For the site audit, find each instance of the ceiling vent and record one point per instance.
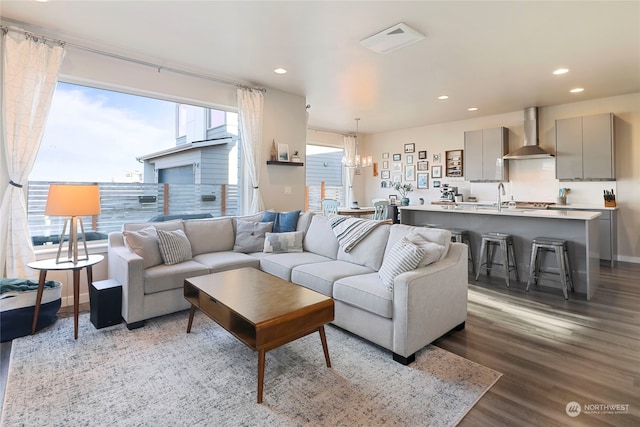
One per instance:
(393, 38)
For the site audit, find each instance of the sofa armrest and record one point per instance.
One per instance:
(127, 268)
(430, 301)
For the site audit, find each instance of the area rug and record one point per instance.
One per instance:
(159, 375)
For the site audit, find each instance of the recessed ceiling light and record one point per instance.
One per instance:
(280, 71)
(443, 97)
(560, 71)
(472, 109)
(577, 90)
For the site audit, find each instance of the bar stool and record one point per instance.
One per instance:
(462, 236)
(509, 263)
(546, 244)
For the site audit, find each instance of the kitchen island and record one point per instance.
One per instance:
(578, 228)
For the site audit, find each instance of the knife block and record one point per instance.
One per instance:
(610, 202)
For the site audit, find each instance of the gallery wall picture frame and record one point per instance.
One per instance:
(436, 184)
(385, 164)
(396, 178)
(396, 167)
(409, 159)
(385, 175)
(397, 157)
(393, 199)
(423, 165)
(410, 173)
(436, 171)
(283, 152)
(385, 155)
(422, 154)
(436, 158)
(422, 181)
(410, 148)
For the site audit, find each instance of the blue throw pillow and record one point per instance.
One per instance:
(283, 222)
(286, 222)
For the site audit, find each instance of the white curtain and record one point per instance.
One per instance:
(250, 106)
(349, 161)
(29, 76)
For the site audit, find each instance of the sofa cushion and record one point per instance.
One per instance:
(320, 238)
(280, 265)
(257, 217)
(250, 235)
(165, 277)
(283, 242)
(435, 235)
(144, 243)
(403, 256)
(210, 235)
(304, 221)
(365, 291)
(320, 276)
(370, 250)
(226, 260)
(174, 246)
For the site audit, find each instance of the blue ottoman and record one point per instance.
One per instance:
(17, 305)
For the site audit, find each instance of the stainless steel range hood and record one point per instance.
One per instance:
(530, 149)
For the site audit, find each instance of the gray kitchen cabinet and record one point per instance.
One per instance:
(585, 148)
(484, 149)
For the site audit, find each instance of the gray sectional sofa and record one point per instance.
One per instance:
(400, 312)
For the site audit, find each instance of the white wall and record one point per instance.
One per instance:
(531, 180)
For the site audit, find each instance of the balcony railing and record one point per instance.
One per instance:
(131, 202)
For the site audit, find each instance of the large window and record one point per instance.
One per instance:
(324, 175)
(118, 140)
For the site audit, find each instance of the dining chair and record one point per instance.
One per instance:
(381, 209)
(330, 207)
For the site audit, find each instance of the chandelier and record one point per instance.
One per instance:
(352, 157)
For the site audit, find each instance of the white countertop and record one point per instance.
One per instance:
(527, 213)
(583, 207)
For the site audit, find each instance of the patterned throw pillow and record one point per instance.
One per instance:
(174, 246)
(403, 256)
(250, 236)
(283, 242)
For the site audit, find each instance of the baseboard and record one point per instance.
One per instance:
(632, 259)
(68, 301)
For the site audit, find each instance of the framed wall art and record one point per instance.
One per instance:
(436, 184)
(409, 148)
(385, 175)
(436, 171)
(397, 157)
(410, 173)
(423, 181)
(385, 164)
(393, 199)
(409, 159)
(283, 152)
(396, 167)
(423, 165)
(385, 155)
(396, 177)
(436, 158)
(422, 155)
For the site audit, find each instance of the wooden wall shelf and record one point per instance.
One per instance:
(276, 162)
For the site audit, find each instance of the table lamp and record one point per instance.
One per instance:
(73, 201)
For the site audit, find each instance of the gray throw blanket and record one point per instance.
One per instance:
(21, 285)
(350, 231)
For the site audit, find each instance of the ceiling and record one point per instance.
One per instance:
(496, 56)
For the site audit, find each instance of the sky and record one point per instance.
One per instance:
(94, 135)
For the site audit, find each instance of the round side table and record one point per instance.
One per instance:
(50, 264)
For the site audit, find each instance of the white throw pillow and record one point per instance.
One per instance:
(145, 244)
(403, 256)
(174, 246)
(432, 251)
(283, 242)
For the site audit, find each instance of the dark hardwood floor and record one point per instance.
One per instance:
(550, 351)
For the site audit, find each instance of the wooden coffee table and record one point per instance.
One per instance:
(261, 310)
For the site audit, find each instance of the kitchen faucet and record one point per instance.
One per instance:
(500, 187)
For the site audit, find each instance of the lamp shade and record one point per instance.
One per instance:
(73, 200)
